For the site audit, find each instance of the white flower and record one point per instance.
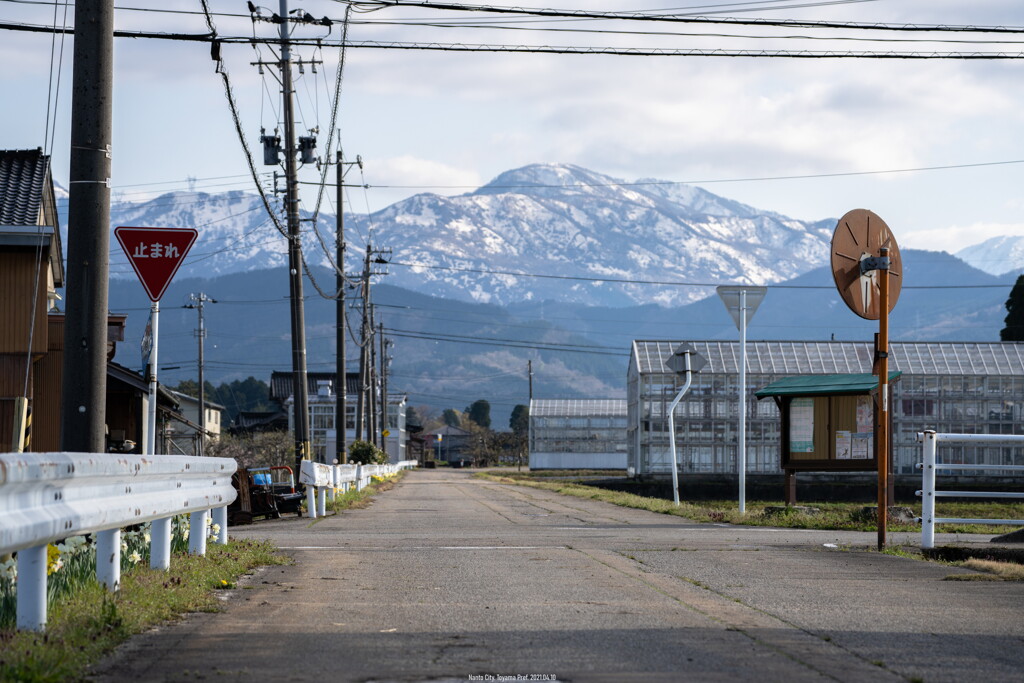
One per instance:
(215, 531)
(146, 537)
(135, 558)
(209, 520)
(124, 546)
(9, 569)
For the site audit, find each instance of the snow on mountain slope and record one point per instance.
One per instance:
(565, 221)
(996, 256)
(572, 225)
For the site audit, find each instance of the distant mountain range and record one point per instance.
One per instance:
(464, 324)
(997, 256)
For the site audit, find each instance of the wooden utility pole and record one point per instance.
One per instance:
(84, 380)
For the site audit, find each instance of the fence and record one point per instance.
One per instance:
(47, 497)
(929, 493)
(331, 478)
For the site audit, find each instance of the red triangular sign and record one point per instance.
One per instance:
(155, 254)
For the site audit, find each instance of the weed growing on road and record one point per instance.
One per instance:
(828, 516)
(88, 623)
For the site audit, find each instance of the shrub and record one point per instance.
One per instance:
(365, 453)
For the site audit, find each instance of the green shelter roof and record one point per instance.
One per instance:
(823, 385)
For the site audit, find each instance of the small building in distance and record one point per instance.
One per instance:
(323, 402)
(454, 447)
(952, 387)
(578, 434)
(183, 433)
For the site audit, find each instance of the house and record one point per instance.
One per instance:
(323, 407)
(32, 330)
(451, 445)
(182, 433)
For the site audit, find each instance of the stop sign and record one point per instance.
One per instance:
(155, 254)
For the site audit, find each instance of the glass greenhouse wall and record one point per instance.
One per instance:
(578, 434)
(946, 386)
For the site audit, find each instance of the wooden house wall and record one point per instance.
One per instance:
(19, 269)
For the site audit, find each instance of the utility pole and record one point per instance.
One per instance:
(271, 153)
(374, 412)
(341, 391)
(383, 388)
(84, 380)
(196, 301)
(361, 403)
(529, 372)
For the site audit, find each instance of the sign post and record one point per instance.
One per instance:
(155, 255)
(742, 303)
(868, 272)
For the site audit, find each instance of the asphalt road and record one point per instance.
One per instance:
(449, 578)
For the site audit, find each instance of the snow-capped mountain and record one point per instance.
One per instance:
(563, 221)
(996, 256)
(573, 226)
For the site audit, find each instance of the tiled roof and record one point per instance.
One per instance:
(281, 383)
(23, 177)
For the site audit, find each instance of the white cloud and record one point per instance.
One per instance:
(957, 237)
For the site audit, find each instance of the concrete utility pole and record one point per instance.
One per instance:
(341, 390)
(383, 387)
(374, 411)
(361, 432)
(300, 388)
(196, 301)
(84, 381)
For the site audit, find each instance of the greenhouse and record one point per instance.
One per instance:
(949, 387)
(578, 434)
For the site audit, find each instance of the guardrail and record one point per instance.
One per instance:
(47, 497)
(929, 493)
(332, 478)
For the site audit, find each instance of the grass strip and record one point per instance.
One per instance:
(827, 515)
(90, 623)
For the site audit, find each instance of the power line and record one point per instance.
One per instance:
(688, 19)
(662, 283)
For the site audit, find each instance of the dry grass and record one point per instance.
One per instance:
(991, 571)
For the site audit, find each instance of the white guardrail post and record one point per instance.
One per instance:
(49, 497)
(317, 476)
(928, 491)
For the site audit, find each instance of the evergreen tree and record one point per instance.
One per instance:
(1014, 330)
(519, 422)
(452, 417)
(480, 413)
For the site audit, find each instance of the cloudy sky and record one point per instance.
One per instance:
(426, 121)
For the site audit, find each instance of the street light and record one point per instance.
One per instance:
(684, 361)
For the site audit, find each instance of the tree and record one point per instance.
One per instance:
(452, 418)
(412, 417)
(519, 422)
(264, 449)
(365, 453)
(480, 413)
(1014, 330)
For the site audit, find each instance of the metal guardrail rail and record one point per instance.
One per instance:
(328, 479)
(928, 493)
(48, 497)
